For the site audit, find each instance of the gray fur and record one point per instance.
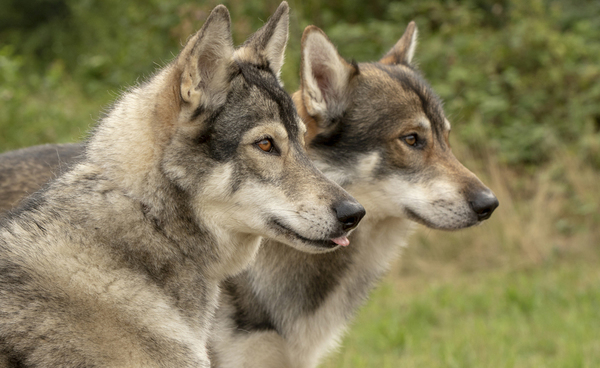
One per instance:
(289, 308)
(24, 171)
(116, 263)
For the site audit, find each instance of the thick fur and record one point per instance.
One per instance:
(288, 309)
(117, 262)
(24, 171)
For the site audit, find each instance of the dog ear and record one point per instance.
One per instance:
(325, 77)
(268, 43)
(205, 62)
(404, 50)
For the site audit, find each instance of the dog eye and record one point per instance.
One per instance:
(410, 139)
(265, 145)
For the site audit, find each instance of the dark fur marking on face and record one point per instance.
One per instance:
(223, 128)
(221, 150)
(430, 102)
(208, 131)
(267, 82)
(345, 140)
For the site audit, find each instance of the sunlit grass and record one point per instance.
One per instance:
(532, 317)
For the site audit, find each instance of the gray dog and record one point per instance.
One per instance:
(378, 130)
(117, 262)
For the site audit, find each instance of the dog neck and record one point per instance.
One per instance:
(120, 151)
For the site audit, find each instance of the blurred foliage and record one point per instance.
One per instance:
(523, 77)
(519, 78)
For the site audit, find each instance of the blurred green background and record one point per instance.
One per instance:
(521, 85)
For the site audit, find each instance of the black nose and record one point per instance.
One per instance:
(484, 203)
(349, 214)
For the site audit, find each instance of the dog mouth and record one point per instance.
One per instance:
(413, 216)
(330, 243)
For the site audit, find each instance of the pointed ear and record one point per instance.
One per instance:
(205, 62)
(325, 76)
(268, 43)
(404, 50)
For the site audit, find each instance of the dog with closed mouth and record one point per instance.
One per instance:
(117, 262)
(380, 131)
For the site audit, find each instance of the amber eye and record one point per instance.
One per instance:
(265, 145)
(411, 139)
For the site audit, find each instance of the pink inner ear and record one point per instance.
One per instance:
(322, 74)
(323, 82)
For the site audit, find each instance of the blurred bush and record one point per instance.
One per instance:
(521, 79)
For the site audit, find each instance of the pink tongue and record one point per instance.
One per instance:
(342, 240)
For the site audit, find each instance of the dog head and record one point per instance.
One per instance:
(380, 131)
(235, 142)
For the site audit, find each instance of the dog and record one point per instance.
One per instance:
(116, 263)
(379, 130)
(25, 171)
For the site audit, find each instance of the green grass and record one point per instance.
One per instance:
(545, 316)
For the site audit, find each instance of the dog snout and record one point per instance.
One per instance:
(349, 214)
(483, 204)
